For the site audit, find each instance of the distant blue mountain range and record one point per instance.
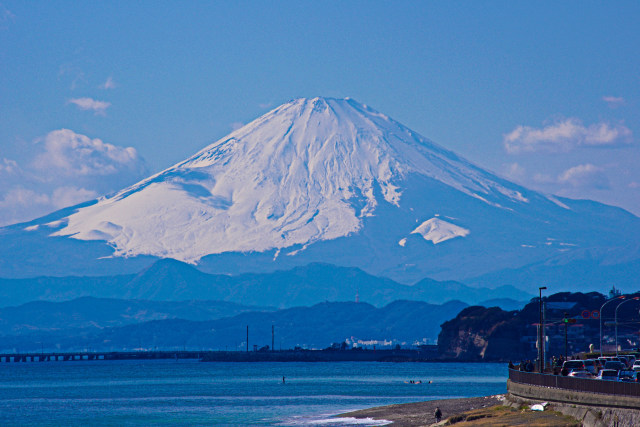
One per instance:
(100, 324)
(171, 280)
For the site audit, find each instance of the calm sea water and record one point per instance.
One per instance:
(195, 393)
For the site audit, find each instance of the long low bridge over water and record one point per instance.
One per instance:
(97, 355)
(426, 353)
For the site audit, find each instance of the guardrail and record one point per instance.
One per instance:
(576, 384)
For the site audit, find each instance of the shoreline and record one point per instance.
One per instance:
(422, 413)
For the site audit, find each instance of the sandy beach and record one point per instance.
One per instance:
(422, 413)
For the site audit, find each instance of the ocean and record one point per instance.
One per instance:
(125, 393)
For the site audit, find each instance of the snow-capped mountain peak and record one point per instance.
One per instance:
(309, 170)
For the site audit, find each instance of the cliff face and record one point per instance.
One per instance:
(468, 336)
(480, 333)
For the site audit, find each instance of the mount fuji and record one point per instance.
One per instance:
(331, 181)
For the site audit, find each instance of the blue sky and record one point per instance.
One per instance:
(96, 95)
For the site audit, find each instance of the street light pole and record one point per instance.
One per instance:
(616, 318)
(605, 303)
(566, 321)
(540, 335)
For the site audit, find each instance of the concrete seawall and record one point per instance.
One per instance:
(572, 397)
(592, 409)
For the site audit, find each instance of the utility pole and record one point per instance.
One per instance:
(566, 322)
(544, 337)
(247, 338)
(272, 340)
(540, 333)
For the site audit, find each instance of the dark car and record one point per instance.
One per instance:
(624, 360)
(618, 366)
(592, 366)
(572, 365)
(628, 376)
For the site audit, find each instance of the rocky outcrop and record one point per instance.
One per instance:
(468, 336)
(479, 333)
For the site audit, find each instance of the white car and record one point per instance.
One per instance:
(608, 375)
(636, 366)
(580, 374)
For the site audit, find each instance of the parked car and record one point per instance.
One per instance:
(572, 365)
(627, 376)
(636, 366)
(580, 374)
(608, 375)
(624, 360)
(618, 366)
(592, 366)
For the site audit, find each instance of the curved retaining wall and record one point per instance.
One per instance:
(550, 394)
(580, 391)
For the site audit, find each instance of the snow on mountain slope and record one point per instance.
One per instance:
(310, 170)
(437, 230)
(334, 182)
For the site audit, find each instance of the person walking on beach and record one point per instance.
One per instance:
(438, 414)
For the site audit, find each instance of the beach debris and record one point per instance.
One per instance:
(539, 406)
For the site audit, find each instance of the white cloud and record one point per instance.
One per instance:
(265, 105)
(86, 104)
(67, 168)
(21, 204)
(6, 16)
(565, 136)
(542, 178)
(613, 101)
(236, 125)
(585, 176)
(69, 196)
(634, 184)
(515, 172)
(9, 166)
(73, 154)
(69, 69)
(108, 84)
(23, 197)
